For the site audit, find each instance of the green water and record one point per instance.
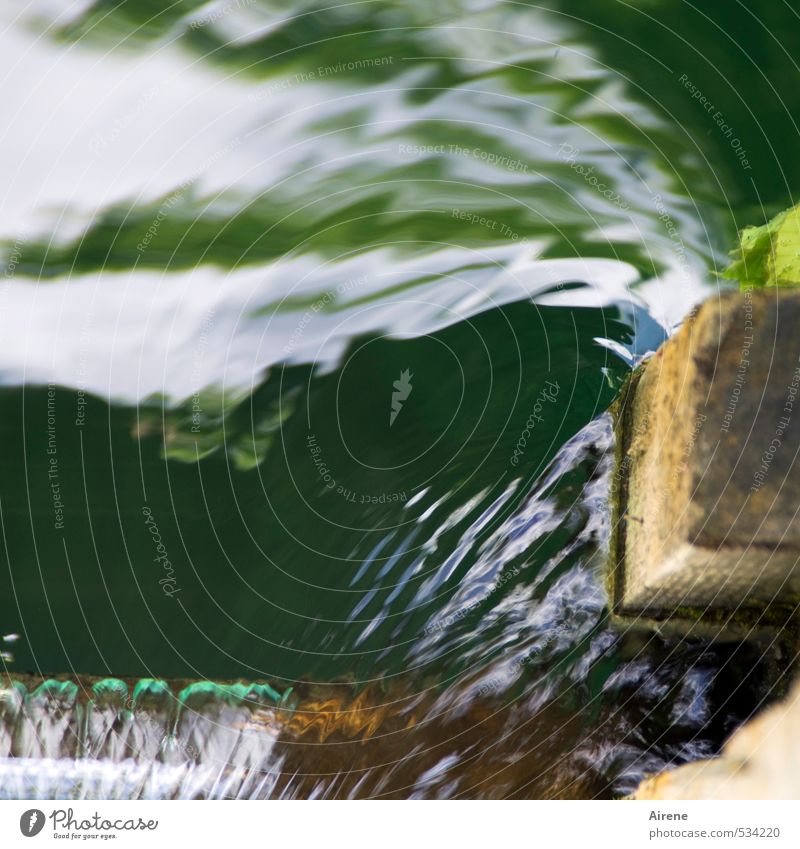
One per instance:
(228, 232)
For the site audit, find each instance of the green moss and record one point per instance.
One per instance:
(751, 617)
(65, 692)
(149, 694)
(200, 693)
(768, 255)
(264, 693)
(109, 692)
(622, 415)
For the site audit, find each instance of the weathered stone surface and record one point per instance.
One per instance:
(758, 762)
(706, 490)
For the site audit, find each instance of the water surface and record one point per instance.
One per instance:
(310, 318)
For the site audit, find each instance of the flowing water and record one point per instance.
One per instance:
(309, 321)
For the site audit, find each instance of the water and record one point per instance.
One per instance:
(309, 320)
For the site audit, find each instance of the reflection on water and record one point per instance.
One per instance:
(308, 324)
(302, 532)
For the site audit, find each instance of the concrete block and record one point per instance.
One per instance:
(706, 487)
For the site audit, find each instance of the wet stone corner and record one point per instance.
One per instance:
(706, 487)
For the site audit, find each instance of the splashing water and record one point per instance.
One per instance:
(553, 707)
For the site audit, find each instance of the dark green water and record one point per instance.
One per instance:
(230, 230)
